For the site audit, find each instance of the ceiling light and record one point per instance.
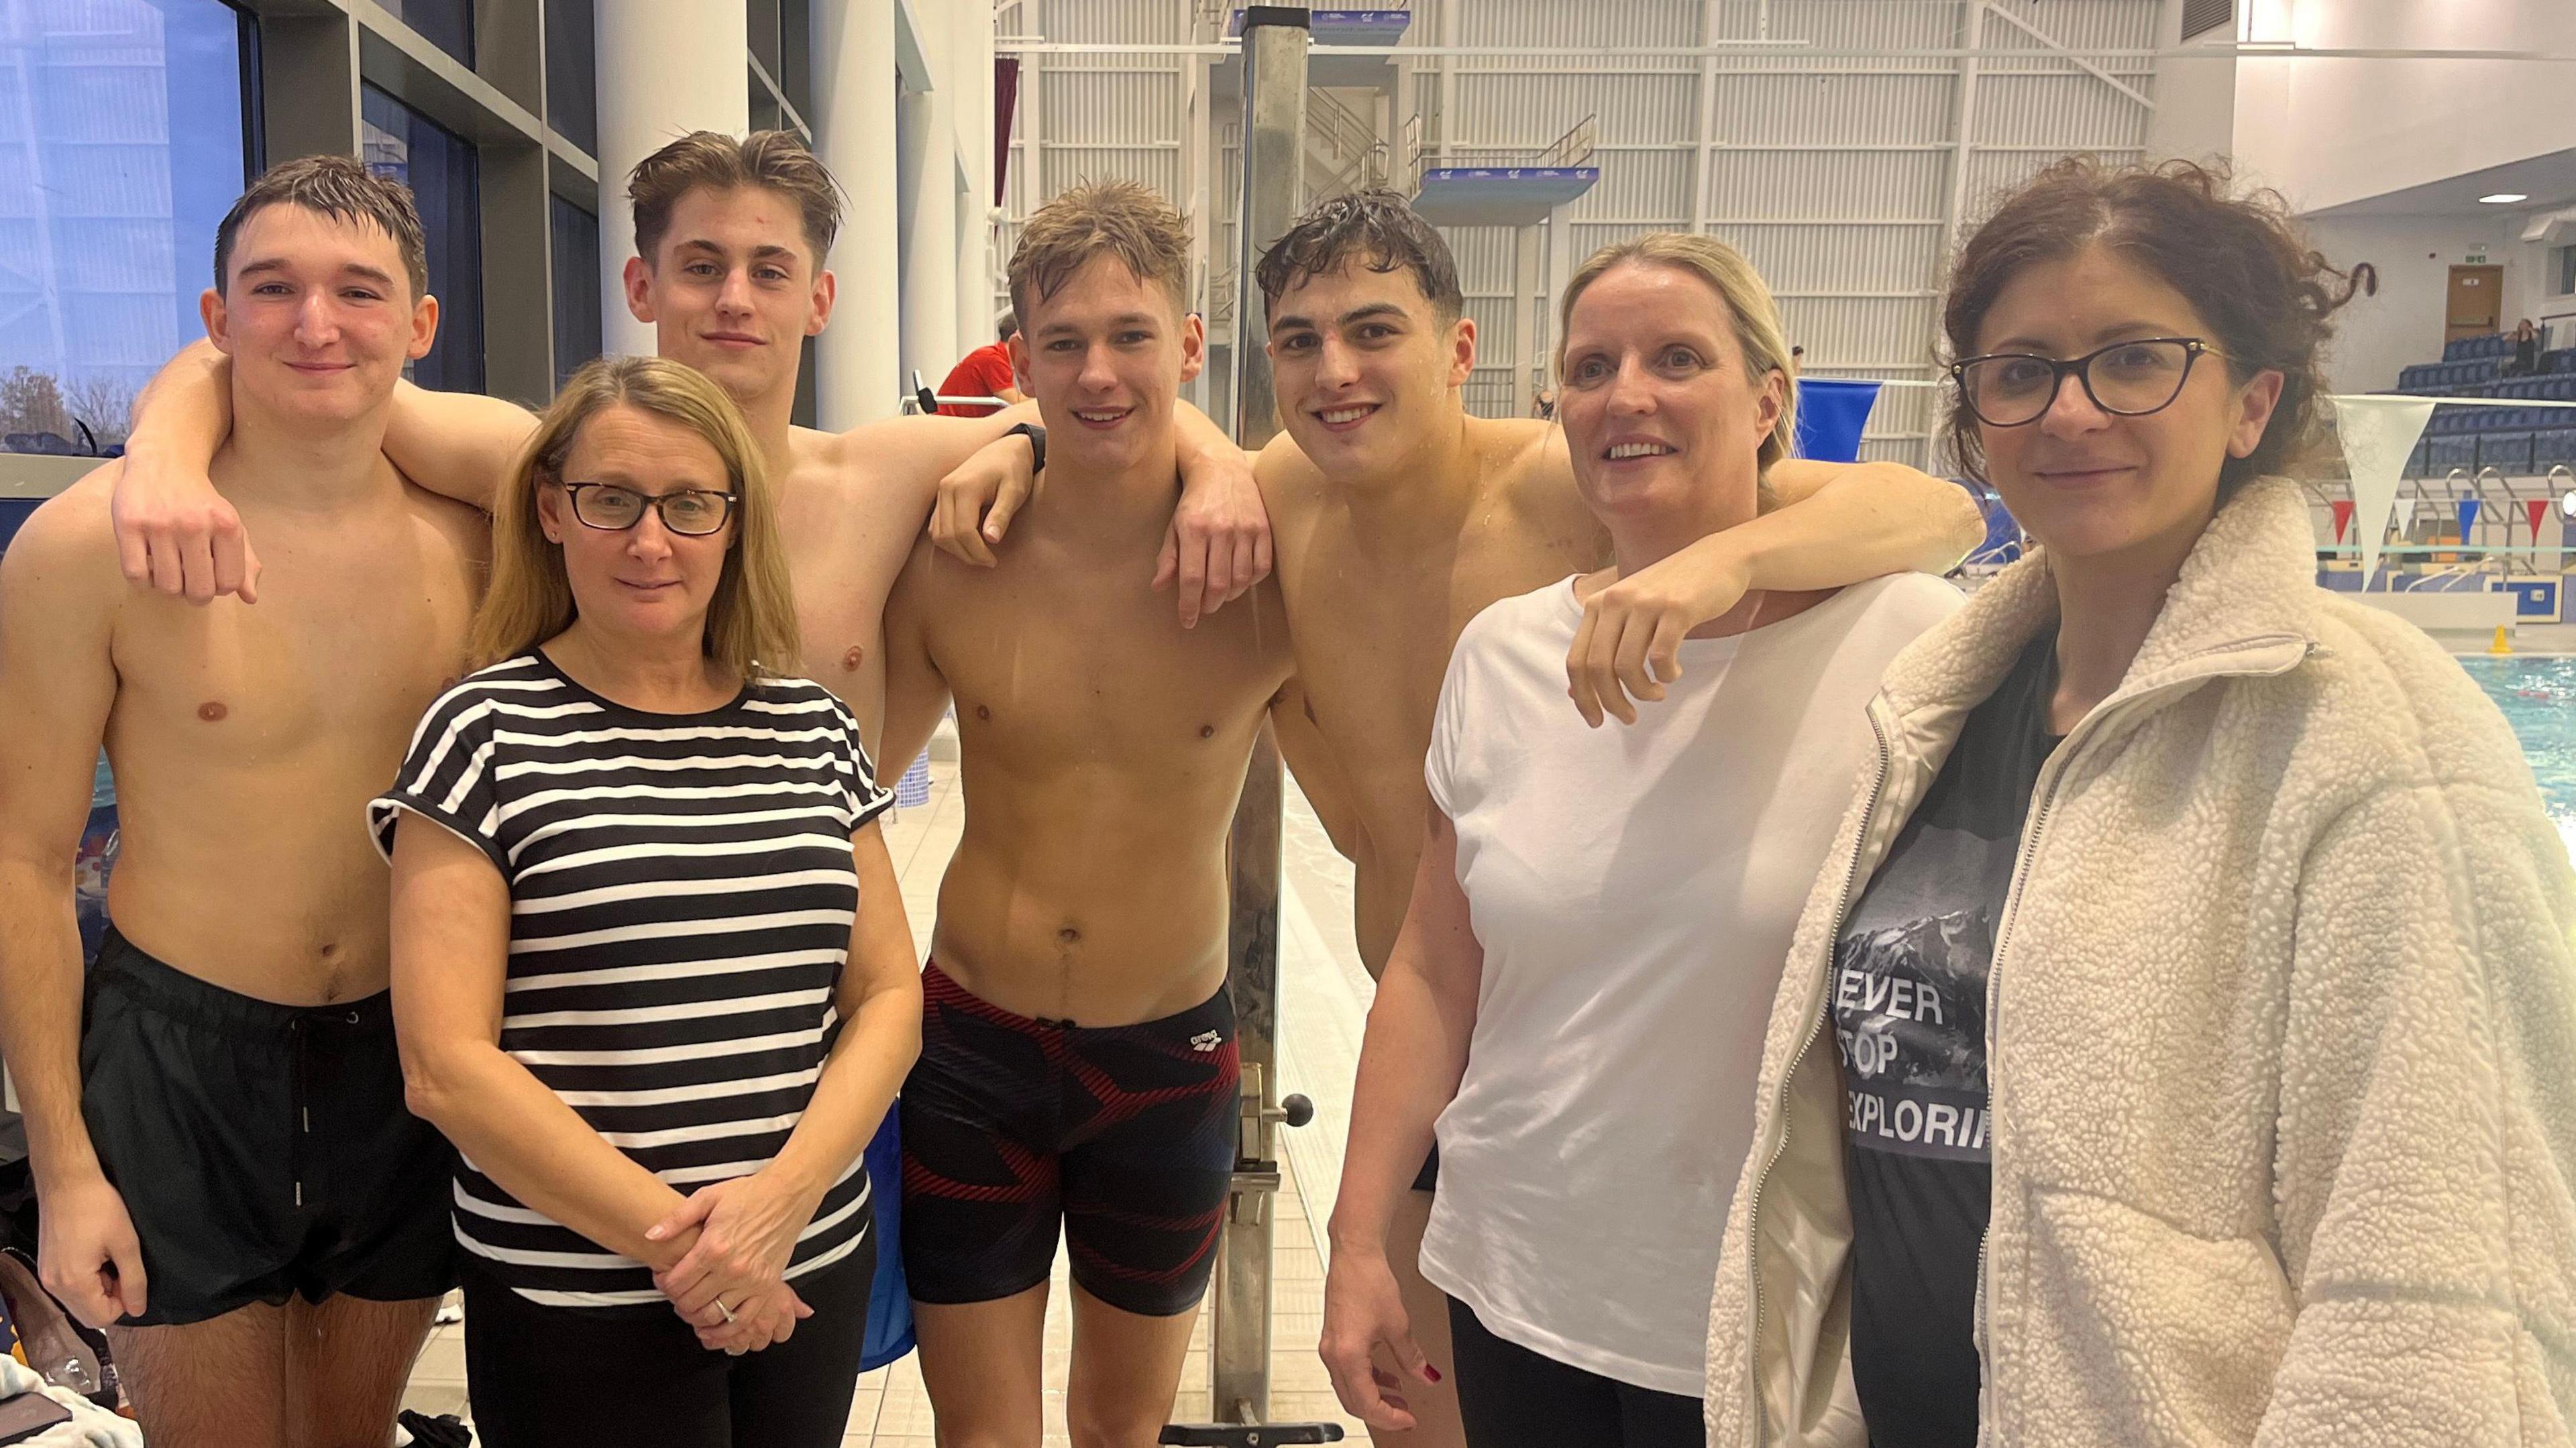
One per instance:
(2503, 198)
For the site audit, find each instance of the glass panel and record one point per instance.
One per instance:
(122, 128)
(796, 55)
(572, 73)
(447, 24)
(760, 27)
(577, 286)
(439, 167)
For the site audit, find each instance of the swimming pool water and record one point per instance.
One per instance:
(2538, 697)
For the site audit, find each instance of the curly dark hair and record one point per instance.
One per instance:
(2238, 258)
(1378, 229)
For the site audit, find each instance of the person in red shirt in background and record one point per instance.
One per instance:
(986, 372)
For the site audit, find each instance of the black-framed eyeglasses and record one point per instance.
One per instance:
(2125, 379)
(611, 507)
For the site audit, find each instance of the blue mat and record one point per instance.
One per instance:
(1831, 413)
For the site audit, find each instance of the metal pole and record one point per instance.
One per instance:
(1525, 353)
(1274, 128)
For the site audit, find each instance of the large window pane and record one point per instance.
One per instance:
(447, 24)
(572, 74)
(577, 283)
(121, 145)
(439, 167)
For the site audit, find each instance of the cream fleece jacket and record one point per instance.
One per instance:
(2281, 1047)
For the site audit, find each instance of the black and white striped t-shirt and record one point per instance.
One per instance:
(681, 896)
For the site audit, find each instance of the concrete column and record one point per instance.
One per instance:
(666, 68)
(971, 53)
(927, 203)
(854, 92)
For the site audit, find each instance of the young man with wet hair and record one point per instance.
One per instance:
(228, 1177)
(731, 235)
(1397, 517)
(1078, 1068)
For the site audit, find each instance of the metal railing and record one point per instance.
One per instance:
(1353, 153)
(1575, 147)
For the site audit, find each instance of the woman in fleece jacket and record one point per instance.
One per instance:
(2180, 1044)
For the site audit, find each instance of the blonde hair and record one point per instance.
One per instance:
(1758, 334)
(1127, 219)
(751, 620)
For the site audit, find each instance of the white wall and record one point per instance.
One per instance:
(2328, 132)
(2376, 336)
(2195, 115)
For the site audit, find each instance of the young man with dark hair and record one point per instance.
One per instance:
(228, 1176)
(1078, 1063)
(1382, 475)
(732, 234)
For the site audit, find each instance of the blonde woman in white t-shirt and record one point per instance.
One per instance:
(1578, 995)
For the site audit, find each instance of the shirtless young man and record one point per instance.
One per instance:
(221, 1149)
(1398, 517)
(732, 234)
(1078, 1062)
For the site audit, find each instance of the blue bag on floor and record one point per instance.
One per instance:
(890, 1296)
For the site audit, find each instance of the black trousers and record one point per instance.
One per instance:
(1510, 1397)
(624, 1377)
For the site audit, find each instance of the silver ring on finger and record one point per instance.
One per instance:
(727, 1311)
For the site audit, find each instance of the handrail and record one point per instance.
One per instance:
(1577, 144)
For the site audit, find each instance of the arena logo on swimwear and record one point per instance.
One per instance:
(1206, 1041)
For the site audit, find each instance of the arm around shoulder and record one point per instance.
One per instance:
(459, 445)
(1858, 521)
(173, 530)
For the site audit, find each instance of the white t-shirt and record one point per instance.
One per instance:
(1634, 888)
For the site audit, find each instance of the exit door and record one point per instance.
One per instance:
(2476, 304)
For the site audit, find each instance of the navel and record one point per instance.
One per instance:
(1068, 936)
(1207, 731)
(212, 711)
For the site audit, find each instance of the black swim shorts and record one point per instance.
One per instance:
(1125, 1135)
(262, 1150)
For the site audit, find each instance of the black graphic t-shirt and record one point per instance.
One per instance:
(1909, 1015)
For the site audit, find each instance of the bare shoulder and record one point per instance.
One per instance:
(1522, 459)
(1528, 469)
(67, 547)
(856, 479)
(825, 482)
(459, 525)
(1289, 480)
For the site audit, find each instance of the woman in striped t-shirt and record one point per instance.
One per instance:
(652, 975)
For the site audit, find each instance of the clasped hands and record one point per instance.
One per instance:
(728, 1284)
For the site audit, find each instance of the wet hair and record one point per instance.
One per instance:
(1748, 301)
(776, 160)
(1375, 229)
(751, 618)
(1126, 219)
(2236, 256)
(341, 189)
